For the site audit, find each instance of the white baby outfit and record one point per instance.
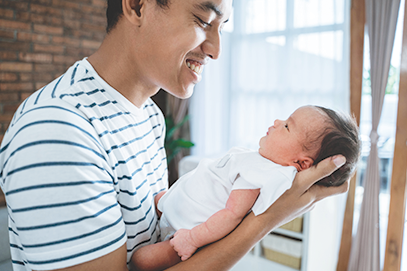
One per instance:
(205, 190)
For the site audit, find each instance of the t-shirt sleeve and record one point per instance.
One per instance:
(272, 185)
(60, 190)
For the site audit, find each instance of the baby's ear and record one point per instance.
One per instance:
(305, 162)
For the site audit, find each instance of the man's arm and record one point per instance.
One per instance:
(115, 260)
(240, 201)
(300, 198)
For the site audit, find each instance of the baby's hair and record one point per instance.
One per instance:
(341, 137)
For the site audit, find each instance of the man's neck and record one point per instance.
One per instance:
(113, 63)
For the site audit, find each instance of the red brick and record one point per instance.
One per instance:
(6, 13)
(9, 97)
(75, 24)
(65, 59)
(37, 18)
(7, 34)
(45, 10)
(39, 85)
(25, 95)
(15, 46)
(40, 38)
(90, 44)
(69, 14)
(16, 86)
(93, 27)
(16, 67)
(42, 77)
(26, 77)
(66, 4)
(81, 34)
(14, 4)
(93, 10)
(66, 41)
(43, 2)
(46, 67)
(8, 77)
(7, 24)
(81, 1)
(2, 197)
(79, 52)
(23, 16)
(48, 29)
(99, 3)
(58, 49)
(99, 20)
(56, 21)
(6, 117)
(31, 57)
(5, 55)
(10, 108)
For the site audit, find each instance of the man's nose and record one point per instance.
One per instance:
(212, 45)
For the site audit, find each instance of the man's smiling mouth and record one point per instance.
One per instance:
(195, 66)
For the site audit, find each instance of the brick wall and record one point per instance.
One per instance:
(39, 40)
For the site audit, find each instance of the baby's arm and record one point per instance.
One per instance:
(240, 201)
(156, 200)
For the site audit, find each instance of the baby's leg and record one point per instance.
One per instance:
(154, 257)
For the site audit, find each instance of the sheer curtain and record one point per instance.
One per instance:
(277, 55)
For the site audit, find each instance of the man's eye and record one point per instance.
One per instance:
(202, 22)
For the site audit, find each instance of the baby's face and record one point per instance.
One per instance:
(285, 140)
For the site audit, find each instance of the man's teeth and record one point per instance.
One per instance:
(196, 68)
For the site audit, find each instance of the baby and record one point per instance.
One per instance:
(207, 203)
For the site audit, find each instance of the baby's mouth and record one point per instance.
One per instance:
(195, 66)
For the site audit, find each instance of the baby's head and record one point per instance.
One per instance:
(309, 135)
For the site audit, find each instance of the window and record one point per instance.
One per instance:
(275, 58)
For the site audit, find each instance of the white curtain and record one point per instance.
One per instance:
(282, 54)
(381, 19)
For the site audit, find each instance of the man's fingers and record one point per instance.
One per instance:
(324, 168)
(321, 192)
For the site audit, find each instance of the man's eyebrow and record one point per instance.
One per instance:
(209, 6)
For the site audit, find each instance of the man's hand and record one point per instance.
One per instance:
(183, 244)
(303, 194)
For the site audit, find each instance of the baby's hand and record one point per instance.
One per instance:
(183, 244)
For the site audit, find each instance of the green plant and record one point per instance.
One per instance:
(392, 81)
(174, 145)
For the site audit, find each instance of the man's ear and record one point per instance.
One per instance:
(133, 10)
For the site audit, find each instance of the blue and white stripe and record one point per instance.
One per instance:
(80, 166)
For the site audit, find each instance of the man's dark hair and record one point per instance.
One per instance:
(115, 11)
(341, 137)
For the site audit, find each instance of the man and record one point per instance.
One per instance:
(83, 157)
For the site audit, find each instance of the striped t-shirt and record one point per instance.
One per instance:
(80, 166)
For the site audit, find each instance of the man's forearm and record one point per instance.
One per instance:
(225, 253)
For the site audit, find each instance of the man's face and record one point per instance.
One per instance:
(285, 140)
(179, 41)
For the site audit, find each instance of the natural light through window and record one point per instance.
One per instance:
(309, 13)
(265, 15)
(326, 44)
